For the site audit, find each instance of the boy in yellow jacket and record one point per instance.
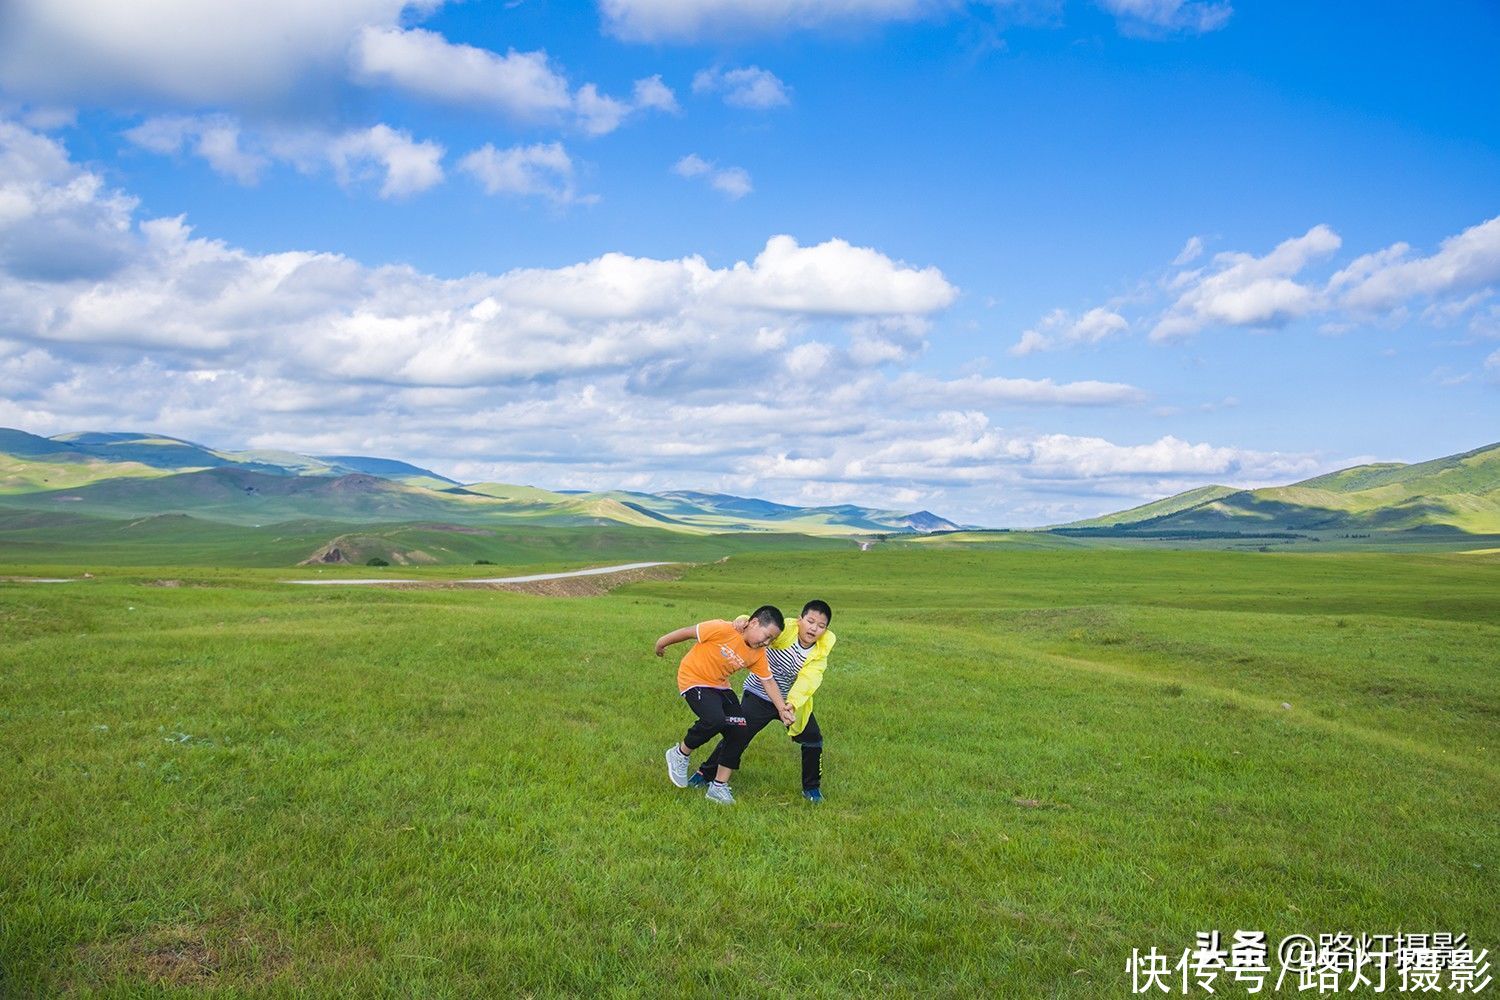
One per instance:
(797, 658)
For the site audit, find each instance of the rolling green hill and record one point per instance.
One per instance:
(101, 449)
(1455, 494)
(1157, 508)
(132, 475)
(27, 474)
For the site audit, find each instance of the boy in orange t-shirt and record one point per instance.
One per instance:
(720, 649)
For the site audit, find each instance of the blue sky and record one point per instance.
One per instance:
(1016, 262)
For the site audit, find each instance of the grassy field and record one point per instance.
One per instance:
(1036, 761)
(30, 538)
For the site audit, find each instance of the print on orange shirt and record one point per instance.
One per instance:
(718, 653)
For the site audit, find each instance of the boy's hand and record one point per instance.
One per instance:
(788, 715)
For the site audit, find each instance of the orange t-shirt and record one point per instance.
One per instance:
(719, 652)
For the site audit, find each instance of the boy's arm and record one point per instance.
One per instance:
(808, 679)
(787, 713)
(672, 638)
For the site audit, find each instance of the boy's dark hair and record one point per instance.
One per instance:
(769, 614)
(821, 607)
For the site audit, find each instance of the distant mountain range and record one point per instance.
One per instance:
(131, 475)
(1456, 494)
(76, 485)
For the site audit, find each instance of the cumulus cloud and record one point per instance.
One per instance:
(200, 55)
(733, 182)
(1243, 290)
(543, 169)
(1069, 457)
(1060, 328)
(56, 223)
(185, 292)
(1454, 285)
(834, 278)
(185, 51)
(215, 139)
(520, 85)
(403, 165)
(1157, 16)
(746, 87)
(652, 93)
(408, 166)
(1388, 278)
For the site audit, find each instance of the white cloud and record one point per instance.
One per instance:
(168, 288)
(1388, 278)
(746, 87)
(186, 51)
(403, 165)
(1153, 16)
(734, 182)
(543, 169)
(1191, 251)
(692, 20)
(691, 165)
(45, 117)
(597, 114)
(834, 278)
(976, 390)
(520, 84)
(1243, 290)
(56, 223)
(216, 139)
(1059, 328)
(408, 166)
(887, 340)
(652, 93)
(1065, 456)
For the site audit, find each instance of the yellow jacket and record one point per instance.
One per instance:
(809, 677)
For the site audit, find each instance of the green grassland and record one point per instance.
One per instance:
(20, 475)
(1036, 761)
(69, 542)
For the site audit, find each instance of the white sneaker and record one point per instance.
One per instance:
(720, 793)
(677, 766)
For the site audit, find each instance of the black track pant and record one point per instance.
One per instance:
(718, 711)
(759, 712)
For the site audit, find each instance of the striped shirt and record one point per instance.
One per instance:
(784, 664)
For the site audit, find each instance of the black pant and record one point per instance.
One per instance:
(718, 711)
(759, 712)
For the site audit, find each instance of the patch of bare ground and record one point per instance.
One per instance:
(182, 954)
(349, 550)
